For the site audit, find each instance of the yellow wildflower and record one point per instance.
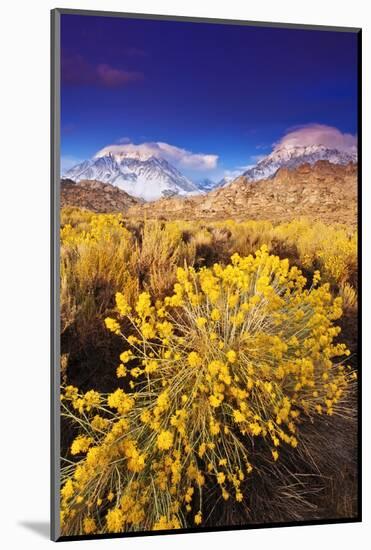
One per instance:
(198, 518)
(194, 360)
(112, 325)
(231, 356)
(81, 444)
(220, 477)
(201, 322)
(115, 520)
(165, 440)
(122, 305)
(215, 314)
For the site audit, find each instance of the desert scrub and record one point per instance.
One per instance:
(249, 236)
(232, 361)
(159, 250)
(76, 217)
(97, 259)
(332, 248)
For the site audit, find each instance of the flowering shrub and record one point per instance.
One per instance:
(230, 362)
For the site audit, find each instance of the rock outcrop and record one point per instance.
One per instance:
(96, 196)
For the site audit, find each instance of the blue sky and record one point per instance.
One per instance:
(222, 95)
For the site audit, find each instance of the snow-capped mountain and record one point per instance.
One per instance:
(143, 176)
(206, 184)
(293, 156)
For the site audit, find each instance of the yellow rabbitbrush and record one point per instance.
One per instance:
(236, 356)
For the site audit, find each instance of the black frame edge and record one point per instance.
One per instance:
(359, 281)
(196, 19)
(54, 284)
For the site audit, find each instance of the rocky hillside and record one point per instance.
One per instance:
(96, 196)
(322, 191)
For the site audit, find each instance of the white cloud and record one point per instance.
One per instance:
(318, 134)
(176, 155)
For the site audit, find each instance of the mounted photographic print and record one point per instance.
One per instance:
(205, 333)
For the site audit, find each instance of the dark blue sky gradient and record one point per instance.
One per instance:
(210, 88)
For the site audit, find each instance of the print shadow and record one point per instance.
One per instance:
(41, 528)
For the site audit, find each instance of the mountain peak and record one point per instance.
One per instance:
(140, 174)
(291, 156)
(120, 154)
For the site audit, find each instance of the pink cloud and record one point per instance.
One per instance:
(318, 134)
(77, 71)
(114, 78)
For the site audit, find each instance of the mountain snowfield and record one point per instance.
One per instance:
(150, 177)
